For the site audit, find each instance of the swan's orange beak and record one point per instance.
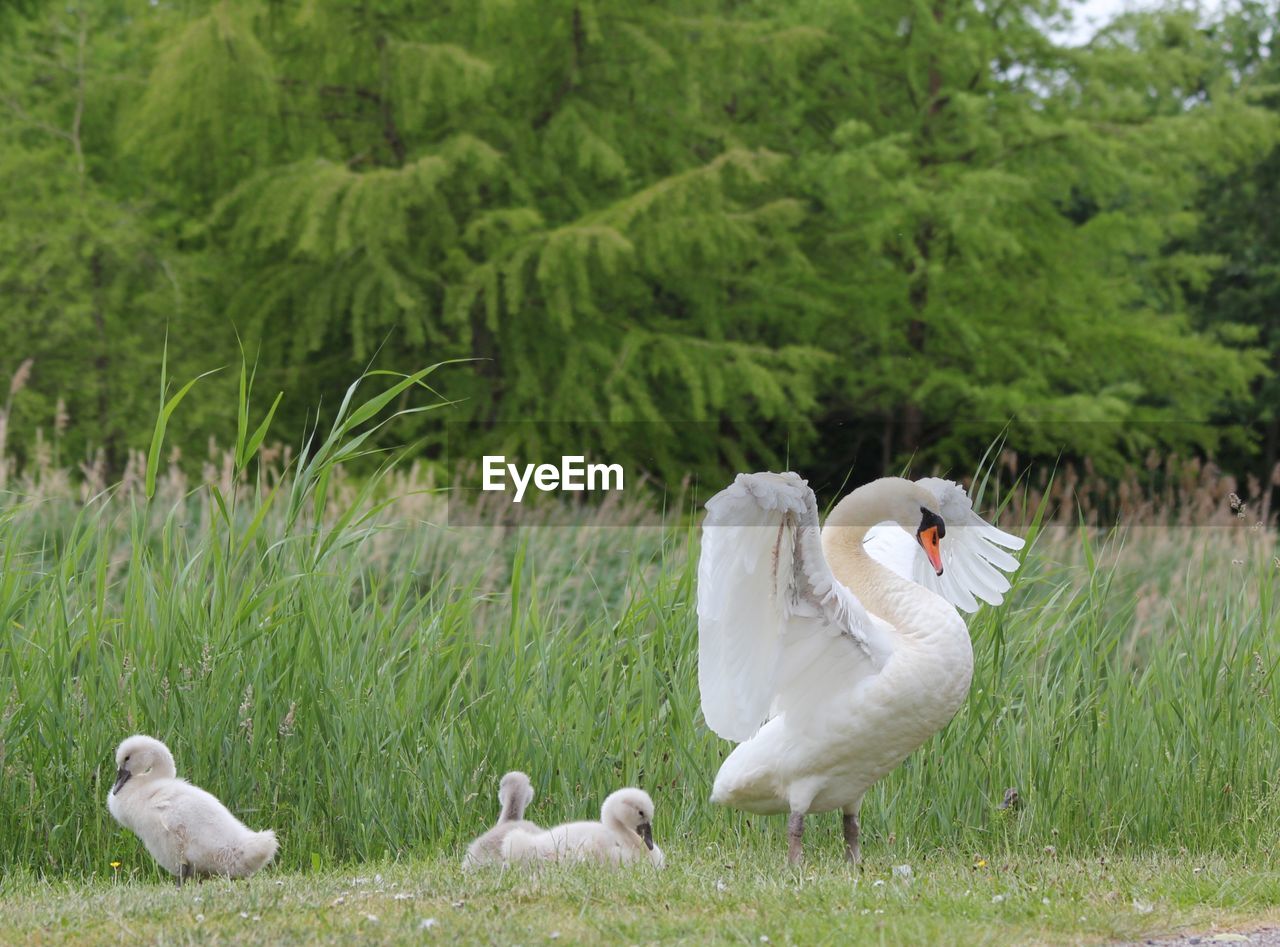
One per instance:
(929, 539)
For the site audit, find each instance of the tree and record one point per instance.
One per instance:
(1239, 226)
(487, 186)
(87, 286)
(993, 211)
(760, 219)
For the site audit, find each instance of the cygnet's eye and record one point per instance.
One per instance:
(126, 759)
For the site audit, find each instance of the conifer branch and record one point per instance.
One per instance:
(390, 130)
(570, 82)
(22, 115)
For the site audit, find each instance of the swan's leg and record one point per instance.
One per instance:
(795, 838)
(852, 849)
(184, 872)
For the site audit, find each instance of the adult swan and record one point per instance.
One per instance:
(830, 656)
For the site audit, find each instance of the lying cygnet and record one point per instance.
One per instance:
(623, 834)
(515, 792)
(188, 831)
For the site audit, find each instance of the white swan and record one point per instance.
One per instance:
(623, 834)
(188, 831)
(515, 792)
(831, 656)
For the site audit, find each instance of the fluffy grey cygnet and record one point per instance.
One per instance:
(187, 830)
(623, 835)
(515, 792)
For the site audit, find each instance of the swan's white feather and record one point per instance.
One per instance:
(515, 792)
(972, 557)
(615, 839)
(850, 683)
(769, 608)
(183, 826)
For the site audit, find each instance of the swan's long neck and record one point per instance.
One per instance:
(905, 605)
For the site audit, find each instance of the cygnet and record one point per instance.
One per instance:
(187, 830)
(515, 792)
(623, 834)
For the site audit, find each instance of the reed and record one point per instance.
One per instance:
(335, 662)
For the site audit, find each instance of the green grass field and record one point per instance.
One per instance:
(710, 894)
(334, 663)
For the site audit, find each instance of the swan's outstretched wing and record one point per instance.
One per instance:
(765, 593)
(972, 553)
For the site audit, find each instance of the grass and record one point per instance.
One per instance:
(337, 664)
(709, 895)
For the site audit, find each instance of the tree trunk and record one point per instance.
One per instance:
(102, 366)
(912, 426)
(1270, 448)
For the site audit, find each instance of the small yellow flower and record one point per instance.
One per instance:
(979, 863)
(115, 864)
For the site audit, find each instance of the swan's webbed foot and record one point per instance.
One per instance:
(852, 848)
(795, 839)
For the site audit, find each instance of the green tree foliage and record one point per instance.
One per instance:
(764, 218)
(84, 279)
(1241, 225)
(1006, 206)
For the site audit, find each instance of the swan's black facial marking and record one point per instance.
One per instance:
(930, 518)
(645, 831)
(929, 535)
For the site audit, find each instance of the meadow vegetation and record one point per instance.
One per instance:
(339, 663)
(823, 235)
(713, 895)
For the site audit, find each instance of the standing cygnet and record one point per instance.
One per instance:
(623, 834)
(515, 792)
(188, 831)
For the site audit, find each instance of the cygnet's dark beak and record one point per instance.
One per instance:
(646, 833)
(122, 777)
